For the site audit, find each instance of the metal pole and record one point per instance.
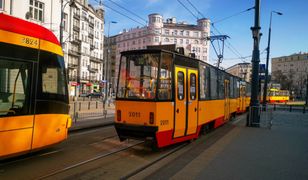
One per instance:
(254, 102)
(307, 90)
(267, 59)
(106, 68)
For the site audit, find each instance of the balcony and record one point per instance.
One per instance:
(76, 41)
(91, 36)
(74, 52)
(92, 69)
(91, 24)
(76, 28)
(72, 65)
(95, 59)
(76, 16)
(92, 47)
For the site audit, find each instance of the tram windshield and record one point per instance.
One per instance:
(14, 87)
(138, 76)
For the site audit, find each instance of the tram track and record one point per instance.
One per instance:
(89, 160)
(50, 151)
(144, 167)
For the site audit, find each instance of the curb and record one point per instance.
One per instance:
(93, 123)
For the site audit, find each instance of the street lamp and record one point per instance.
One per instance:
(107, 64)
(267, 59)
(71, 3)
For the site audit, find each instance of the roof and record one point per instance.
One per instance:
(20, 26)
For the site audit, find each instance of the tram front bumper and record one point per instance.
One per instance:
(129, 131)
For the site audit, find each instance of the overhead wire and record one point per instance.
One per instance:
(117, 4)
(188, 9)
(104, 4)
(192, 5)
(235, 14)
(229, 46)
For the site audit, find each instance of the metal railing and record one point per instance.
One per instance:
(89, 108)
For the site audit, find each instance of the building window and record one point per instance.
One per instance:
(187, 41)
(65, 21)
(175, 32)
(196, 34)
(181, 41)
(167, 31)
(187, 33)
(156, 39)
(166, 39)
(1, 4)
(37, 10)
(182, 32)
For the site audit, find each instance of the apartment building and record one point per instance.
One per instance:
(85, 48)
(295, 68)
(83, 28)
(159, 32)
(242, 70)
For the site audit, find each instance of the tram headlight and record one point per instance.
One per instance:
(151, 118)
(119, 115)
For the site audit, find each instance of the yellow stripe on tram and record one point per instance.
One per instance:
(30, 42)
(19, 39)
(51, 47)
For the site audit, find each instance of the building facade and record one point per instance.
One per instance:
(242, 70)
(295, 70)
(85, 48)
(83, 28)
(159, 32)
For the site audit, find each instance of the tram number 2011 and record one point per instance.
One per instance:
(164, 122)
(134, 114)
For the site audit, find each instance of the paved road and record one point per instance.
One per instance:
(249, 153)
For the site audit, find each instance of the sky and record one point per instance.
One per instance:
(289, 31)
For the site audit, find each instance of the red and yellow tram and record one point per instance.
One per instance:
(33, 88)
(168, 98)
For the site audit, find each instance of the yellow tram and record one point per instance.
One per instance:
(33, 88)
(278, 95)
(168, 98)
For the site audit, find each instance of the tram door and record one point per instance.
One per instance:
(186, 103)
(227, 99)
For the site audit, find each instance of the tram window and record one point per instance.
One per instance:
(192, 86)
(180, 88)
(52, 81)
(14, 87)
(221, 85)
(204, 85)
(248, 89)
(138, 76)
(165, 80)
(231, 87)
(213, 84)
(237, 88)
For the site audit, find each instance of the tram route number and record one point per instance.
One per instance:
(134, 114)
(29, 41)
(164, 122)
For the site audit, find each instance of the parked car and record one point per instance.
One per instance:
(95, 94)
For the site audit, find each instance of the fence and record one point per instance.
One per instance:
(82, 110)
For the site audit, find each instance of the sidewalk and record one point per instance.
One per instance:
(93, 118)
(250, 153)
